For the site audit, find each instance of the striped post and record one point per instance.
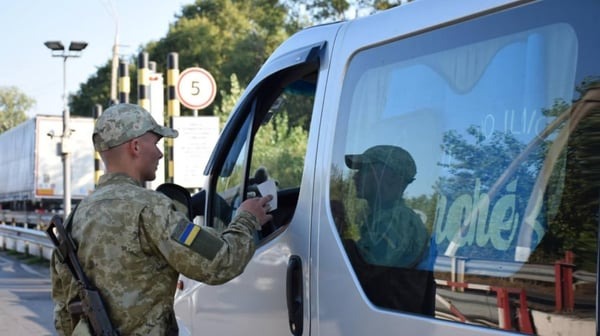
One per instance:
(124, 82)
(97, 171)
(172, 109)
(457, 271)
(143, 78)
(525, 322)
(503, 303)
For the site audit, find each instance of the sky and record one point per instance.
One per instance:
(26, 24)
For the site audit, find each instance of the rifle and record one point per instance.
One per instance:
(91, 304)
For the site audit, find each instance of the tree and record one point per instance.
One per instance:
(222, 36)
(573, 225)
(13, 107)
(229, 100)
(338, 10)
(568, 214)
(95, 91)
(476, 168)
(225, 37)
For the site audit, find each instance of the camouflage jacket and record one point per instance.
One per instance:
(123, 233)
(393, 237)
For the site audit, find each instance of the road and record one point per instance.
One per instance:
(25, 302)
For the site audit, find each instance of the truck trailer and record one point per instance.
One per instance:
(31, 164)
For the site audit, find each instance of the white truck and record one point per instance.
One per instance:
(31, 178)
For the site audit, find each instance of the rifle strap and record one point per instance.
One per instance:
(69, 222)
(74, 307)
(63, 248)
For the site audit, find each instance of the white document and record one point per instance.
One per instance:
(269, 188)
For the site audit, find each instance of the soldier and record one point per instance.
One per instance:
(392, 256)
(133, 242)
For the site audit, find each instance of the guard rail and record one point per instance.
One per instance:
(35, 242)
(28, 241)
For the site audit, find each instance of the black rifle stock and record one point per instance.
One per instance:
(92, 306)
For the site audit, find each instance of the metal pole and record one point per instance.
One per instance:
(65, 145)
(115, 66)
(75, 47)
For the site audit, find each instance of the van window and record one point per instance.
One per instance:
(465, 169)
(269, 145)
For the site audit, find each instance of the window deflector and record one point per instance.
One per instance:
(230, 162)
(307, 56)
(249, 136)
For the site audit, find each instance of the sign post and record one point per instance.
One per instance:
(196, 89)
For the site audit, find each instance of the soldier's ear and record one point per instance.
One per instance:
(133, 146)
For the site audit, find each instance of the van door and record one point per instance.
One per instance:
(461, 176)
(266, 139)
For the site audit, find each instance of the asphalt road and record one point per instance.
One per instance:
(25, 302)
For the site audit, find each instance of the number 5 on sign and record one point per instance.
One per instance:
(196, 88)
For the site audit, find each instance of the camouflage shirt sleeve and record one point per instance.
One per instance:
(232, 248)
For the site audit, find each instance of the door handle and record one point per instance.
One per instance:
(295, 295)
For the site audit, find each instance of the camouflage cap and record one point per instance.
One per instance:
(392, 157)
(123, 122)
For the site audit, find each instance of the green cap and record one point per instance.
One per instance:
(123, 122)
(392, 157)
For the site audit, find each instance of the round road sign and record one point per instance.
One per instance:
(196, 88)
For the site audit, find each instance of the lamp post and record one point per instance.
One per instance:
(58, 50)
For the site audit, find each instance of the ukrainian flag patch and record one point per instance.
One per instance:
(196, 238)
(188, 234)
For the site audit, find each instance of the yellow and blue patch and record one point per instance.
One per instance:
(197, 239)
(189, 234)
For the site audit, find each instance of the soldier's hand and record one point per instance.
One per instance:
(258, 206)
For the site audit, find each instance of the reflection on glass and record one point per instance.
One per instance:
(392, 254)
(508, 179)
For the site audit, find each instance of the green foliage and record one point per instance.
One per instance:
(229, 100)
(328, 9)
(349, 211)
(574, 225)
(569, 211)
(338, 10)
(280, 144)
(485, 159)
(225, 37)
(281, 148)
(222, 36)
(95, 91)
(384, 4)
(14, 105)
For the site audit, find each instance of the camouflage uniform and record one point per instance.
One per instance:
(392, 257)
(393, 237)
(128, 249)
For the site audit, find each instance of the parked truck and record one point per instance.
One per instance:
(31, 166)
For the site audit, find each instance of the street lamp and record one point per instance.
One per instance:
(58, 50)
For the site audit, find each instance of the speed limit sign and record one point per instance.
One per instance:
(196, 88)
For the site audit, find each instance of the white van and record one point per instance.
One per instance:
(438, 173)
